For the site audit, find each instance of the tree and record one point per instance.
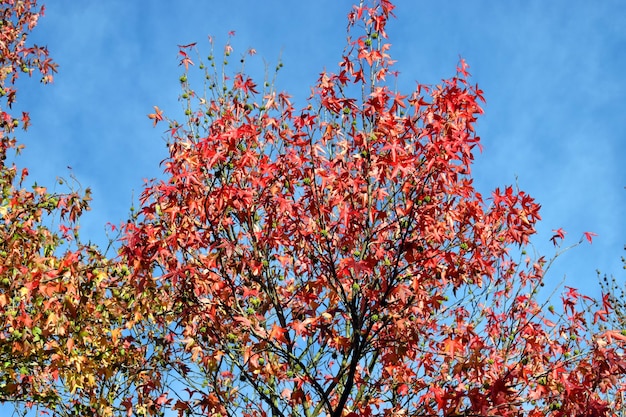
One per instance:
(338, 261)
(62, 304)
(334, 260)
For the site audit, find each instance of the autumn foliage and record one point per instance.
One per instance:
(334, 260)
(62, 302)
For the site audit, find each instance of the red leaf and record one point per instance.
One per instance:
(589, 236)
(277, 333)
(163, 400)
(25, 120)
(614, 334)
(558, 234)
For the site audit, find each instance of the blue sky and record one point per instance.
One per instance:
(552, 74)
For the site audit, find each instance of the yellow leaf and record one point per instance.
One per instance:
(91, 380)
(115, 335)
(52, 319)
(74, 385)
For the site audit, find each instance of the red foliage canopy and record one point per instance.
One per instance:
(338, 261)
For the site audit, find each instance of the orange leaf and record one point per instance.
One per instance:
(70, 344)
(277, 333)
(157, 116)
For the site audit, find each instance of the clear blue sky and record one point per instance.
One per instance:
(552, 74)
